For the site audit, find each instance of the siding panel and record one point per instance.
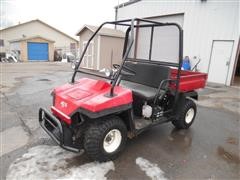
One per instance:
(203, 23)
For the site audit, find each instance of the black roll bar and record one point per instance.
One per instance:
(127, 47)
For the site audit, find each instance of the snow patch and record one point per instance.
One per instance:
(52, 162)
(150, 169)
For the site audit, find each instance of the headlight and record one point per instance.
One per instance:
(108, 72)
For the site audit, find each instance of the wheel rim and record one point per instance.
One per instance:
(112, 140)
(189, 115)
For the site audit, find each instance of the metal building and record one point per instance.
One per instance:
(211, 31)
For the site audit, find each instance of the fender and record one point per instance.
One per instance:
(182, 98)
(94, 115)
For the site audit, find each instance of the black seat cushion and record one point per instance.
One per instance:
(144, 92)
(147, 79)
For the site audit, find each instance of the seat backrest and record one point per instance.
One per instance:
(147, 74)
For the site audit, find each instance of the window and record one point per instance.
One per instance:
(1, 42)
(88, 57)
(72, 46)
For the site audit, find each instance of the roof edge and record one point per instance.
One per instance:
(82, 28)
(38, 20)
(94, 28)
(126, 4)
(108, 35)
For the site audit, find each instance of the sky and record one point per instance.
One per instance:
(66, 15)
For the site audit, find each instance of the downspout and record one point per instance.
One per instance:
(116, 16)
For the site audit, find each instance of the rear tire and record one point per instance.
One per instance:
(185, 115)
(105, 139)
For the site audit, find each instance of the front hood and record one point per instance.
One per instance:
(89, 94)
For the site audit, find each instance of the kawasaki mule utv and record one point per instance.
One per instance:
(140, 92)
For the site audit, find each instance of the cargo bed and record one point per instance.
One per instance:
(189, 80)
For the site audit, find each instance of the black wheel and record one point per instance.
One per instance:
(104, 140)
(185, 115)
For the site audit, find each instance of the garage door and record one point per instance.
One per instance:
(37, 51)
(165, 41)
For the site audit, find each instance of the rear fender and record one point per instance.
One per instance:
(182, 99)
(179, 104)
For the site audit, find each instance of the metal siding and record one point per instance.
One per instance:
(37, 51)
(203, 23)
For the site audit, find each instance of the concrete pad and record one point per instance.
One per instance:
(12, 139)
(221, 97)
(31, 123)
(8, 119)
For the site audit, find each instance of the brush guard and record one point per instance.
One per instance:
(54, 128)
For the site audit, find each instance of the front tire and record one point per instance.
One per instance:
(104, 140)
(185, 115)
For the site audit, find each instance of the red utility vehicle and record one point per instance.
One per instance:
(99, 115)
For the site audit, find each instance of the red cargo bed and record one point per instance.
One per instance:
(189, 80)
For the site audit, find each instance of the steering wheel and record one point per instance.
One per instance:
(125, 70)
(116, 66)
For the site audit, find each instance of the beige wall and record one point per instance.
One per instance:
(34, 28)
(110, 51)
(107, 49)
(24, 49)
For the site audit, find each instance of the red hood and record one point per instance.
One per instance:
(89, 94)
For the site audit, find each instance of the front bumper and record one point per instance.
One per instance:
(56, 130)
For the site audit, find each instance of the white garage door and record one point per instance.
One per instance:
(165, 42)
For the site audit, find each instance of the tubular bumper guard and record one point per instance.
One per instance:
(54, 129)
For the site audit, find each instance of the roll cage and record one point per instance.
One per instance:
(131, 24)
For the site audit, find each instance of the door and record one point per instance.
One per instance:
(88, 57)
(220, 61)
(37, 51)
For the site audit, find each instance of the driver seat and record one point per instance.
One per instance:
(144, 84)
(143, 92)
